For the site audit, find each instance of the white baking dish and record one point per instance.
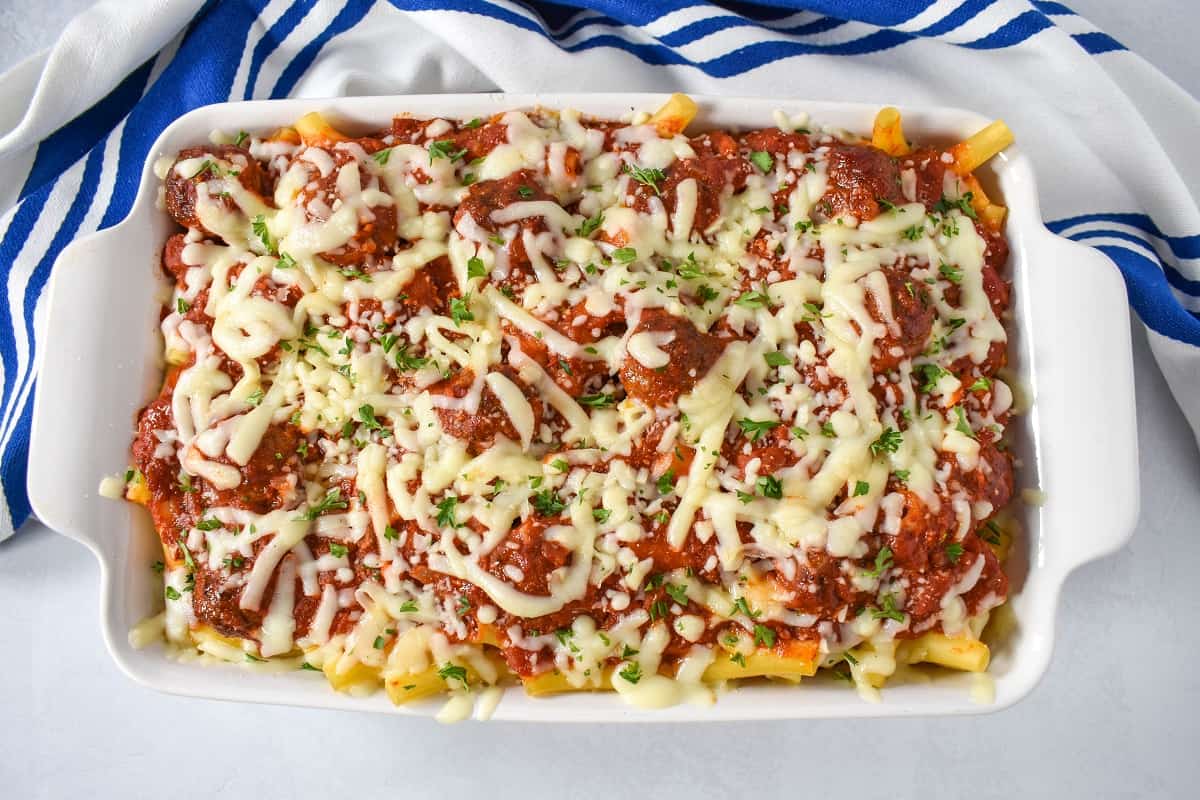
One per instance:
(1070, 345)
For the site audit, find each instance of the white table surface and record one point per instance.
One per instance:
(1117, 715)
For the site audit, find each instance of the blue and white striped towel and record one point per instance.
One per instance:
(1111, 138)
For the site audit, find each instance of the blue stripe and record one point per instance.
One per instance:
(1151, 297)
(631, 12)
(271, 40)
(757, 11)
(1052, 9)
(578, 22)
(1097, 42)
(965, 12)
(58, 151)
(1015, 31)
(704, 27)
(746, 58)
(17, 452)
(14, 466)
(1181, 246)
(755, 55)
(23, 219)
(201, 73)
(1174, 277)
(350, 15)
(872, 12)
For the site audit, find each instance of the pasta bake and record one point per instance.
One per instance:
(581, 404)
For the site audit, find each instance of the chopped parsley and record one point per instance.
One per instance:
(883, 562)
(740, 606)
(475, 267)
(763, 160)
(525, 192)
(453, 672)
(381, 156)
(601, 514)
(209, 524)
(753, 300)
(632, 672)
(331, 501)
(172, 593)
(596, 400)
(962, 426)
(460, 310)
(769, 486)
(776, 359)
(359, 275)
(815, 312)
(406, 362)
(285, 262)
(763, 635)
(689, 268)
(954, 552)
(366, 413)
(182, 306)
(590, 225)
(649, 177)
(259, 226)
(666, 482)
(963, 204)
(930, 375)
(337, 550)
(950, 272)
(241, 137)
(625, 254)
(447, 512)
(547, 503)
(444, 149)
(981, 384)
(756, 428)
(888, 442)
(861, 488)
(678, 593)
(887, 609)
(208, 165)
(255, 398)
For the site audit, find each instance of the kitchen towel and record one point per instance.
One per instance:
(1111, 138)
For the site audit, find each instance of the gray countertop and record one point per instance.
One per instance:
(1115, 716)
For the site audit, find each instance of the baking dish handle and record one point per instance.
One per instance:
(91, 347)
(1082, 348)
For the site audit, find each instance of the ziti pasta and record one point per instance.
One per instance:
(580, 403)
